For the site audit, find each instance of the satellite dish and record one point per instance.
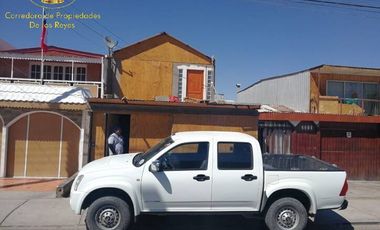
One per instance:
(110, 43)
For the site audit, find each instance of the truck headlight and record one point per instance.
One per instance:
(77, 182)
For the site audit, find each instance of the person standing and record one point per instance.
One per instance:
(115, 142)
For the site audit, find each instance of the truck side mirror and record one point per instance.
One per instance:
(155, 167)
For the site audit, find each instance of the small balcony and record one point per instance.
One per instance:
(349, 106)
(80, 72)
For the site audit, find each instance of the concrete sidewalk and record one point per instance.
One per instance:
(41, 210)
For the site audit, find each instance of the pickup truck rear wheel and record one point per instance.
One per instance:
(108, 213)
(286, 214)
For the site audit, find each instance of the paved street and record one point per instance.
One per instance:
(41, 210)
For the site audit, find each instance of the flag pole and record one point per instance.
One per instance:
(42, 48)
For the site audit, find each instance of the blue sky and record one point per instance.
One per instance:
(250, 39)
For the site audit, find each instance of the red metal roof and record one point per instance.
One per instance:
(55, 49)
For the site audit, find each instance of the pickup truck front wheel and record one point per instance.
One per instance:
(286, 214)
(108, 213)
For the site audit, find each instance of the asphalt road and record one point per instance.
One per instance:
(41, 210)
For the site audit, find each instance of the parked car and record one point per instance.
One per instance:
(203, 172)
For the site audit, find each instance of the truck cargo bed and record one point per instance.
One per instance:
(280, 162)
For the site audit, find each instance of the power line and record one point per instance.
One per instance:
(87, 26)
(352, 5)
(105, 28)
(328, 4)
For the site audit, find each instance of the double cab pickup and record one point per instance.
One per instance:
(207, 172)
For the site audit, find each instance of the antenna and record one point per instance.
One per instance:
(110, 43)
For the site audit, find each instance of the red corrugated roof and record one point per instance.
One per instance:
(56, 49)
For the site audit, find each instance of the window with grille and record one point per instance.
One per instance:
(180, 81)
(81, 74)
(35, 72)
(47, 72)
(209, 84)
(68, 72)
(58, 73)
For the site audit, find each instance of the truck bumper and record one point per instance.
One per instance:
(76, 199)
(344, 205)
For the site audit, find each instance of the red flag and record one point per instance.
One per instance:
(43, 36)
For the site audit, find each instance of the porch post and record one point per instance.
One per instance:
(3, 153)
(12, 68)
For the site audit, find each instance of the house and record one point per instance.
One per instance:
(324, 89)
(44, 118)
(147, 76)
(332, 114)
(163, 66)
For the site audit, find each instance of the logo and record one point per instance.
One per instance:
(52, 4)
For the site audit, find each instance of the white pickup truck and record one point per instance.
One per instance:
(207, 172)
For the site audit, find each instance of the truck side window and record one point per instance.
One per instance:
(189, 156)
(235, 156)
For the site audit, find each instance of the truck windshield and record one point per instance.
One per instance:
(141, 158)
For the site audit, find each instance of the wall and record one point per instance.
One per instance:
(201, 122)
(292, 91)
(314, 94)
(5, 67)
(147, 129)
(150, 73)
(98, 138)
(20, 68)
(94, 72)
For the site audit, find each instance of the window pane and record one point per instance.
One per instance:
(370, 91)
(35, 72)
(47, 72)
(190, 156)
(58, 73)
(335, 88)
(68, 73)
(353, 90)
(81, 74)
(235, 156)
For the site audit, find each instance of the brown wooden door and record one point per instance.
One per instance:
(194, 87)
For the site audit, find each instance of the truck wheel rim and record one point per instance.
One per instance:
(287, 218)
(107, 218)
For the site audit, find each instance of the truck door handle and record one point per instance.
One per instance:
(249, 177)
(201, 177)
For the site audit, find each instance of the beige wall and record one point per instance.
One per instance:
(147, 129)
(150, 73)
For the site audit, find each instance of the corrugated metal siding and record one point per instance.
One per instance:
(292, 91)
(43, 93)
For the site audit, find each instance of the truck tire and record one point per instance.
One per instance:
(108, 213)
(286, 214)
